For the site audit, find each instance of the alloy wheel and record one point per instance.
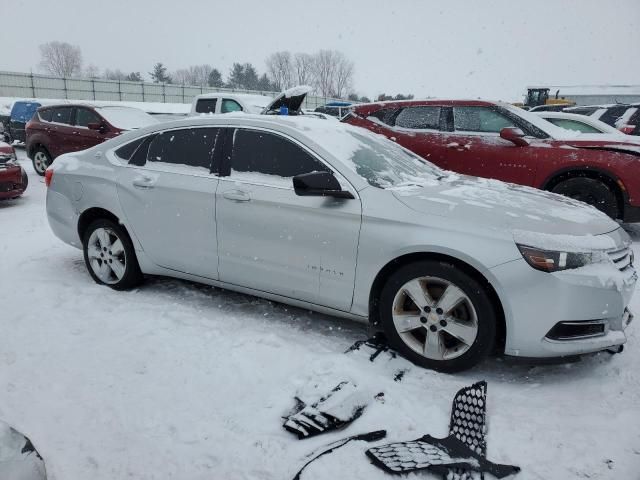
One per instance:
(435, 318)
(106, 255)
(40, 161)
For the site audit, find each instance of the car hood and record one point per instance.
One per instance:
(291, 98)
(505, 206)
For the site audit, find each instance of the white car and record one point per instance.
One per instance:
(333, 218)
(579, 123)
(224, 102)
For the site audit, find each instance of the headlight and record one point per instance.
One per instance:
(554, 261)
(8, 158)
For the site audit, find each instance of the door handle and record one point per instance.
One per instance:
(236, 195)
(143, 182)
(453, 145)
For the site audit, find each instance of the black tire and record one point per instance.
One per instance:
(25, 179)
(485, 315)
(591, 191)
(40, 164)
(132, 275)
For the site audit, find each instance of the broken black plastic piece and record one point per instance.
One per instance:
(324, 416)
(367, 437)
(468, 424)
(436, 454)
(377, 343)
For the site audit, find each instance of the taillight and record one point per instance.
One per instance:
(628, 129)
(48, 176)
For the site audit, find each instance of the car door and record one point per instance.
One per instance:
(61, 138)
(167, 192)
(85, 137)
(271, 239)
(476, 148)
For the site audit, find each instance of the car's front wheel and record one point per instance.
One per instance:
(110, 256)
(41, 160)
(437, 316)
(591, 191)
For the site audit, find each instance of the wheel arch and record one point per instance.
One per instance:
(95, 213)
(595, 173)
(470, 270)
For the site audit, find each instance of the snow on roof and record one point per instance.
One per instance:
(149, 107)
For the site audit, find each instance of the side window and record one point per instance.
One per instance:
(191, 147)
(62, 115)
(479, 119)
(573, 125)
(257, 152)
(206, 105)
(84, 117)
(127, 150)
(229, 105)
(139, 157)
(419, 118)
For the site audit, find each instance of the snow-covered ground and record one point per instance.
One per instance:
(181, 381)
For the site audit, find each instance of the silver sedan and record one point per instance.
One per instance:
(333, 218)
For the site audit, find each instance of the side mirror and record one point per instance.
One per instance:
(100, 127)
(514, 135)
(319, 184)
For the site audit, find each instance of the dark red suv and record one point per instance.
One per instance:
(496, 140)
(58, 129)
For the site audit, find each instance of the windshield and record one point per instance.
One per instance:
(384, 164)
(126, 118)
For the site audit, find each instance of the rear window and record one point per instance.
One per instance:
(192, 147)
(62, 115)
(206, 105)
(419, 118)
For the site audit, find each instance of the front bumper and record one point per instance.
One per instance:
(536, 303)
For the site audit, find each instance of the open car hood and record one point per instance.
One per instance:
(291, 98)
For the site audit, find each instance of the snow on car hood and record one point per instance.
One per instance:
(496, 204)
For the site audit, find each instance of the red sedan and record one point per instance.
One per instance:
(13, 179)
(497, 140)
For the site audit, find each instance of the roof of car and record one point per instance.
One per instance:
(373, 106)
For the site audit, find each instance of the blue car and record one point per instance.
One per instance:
(21, 113)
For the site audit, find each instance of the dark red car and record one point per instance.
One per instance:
(13, 179)
(58, 129)
(497, 140)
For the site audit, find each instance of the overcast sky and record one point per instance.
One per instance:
(490, 48)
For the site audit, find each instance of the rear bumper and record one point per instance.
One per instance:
(11, 184)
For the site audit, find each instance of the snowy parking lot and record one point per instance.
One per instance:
(175, 380)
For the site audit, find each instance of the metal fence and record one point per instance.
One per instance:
(26, 85)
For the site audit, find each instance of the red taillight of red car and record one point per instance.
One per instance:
(628, 129)
(48, 176)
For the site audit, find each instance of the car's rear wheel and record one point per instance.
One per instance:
(437, 316)
(109, 255)
(41, 160)
(25, 179)
(591, 191)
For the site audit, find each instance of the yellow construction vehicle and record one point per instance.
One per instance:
(537, 96)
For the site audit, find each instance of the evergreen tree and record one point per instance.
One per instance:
(134, 77)
(236, 76)
(159, 74)
(215, 78)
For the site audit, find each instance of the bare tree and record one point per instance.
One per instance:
(324, 71)
(303, 68)
(280, 69)
(91, 71)
(343, 75)
(194, 75)
(116, 74)
(61, 59)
